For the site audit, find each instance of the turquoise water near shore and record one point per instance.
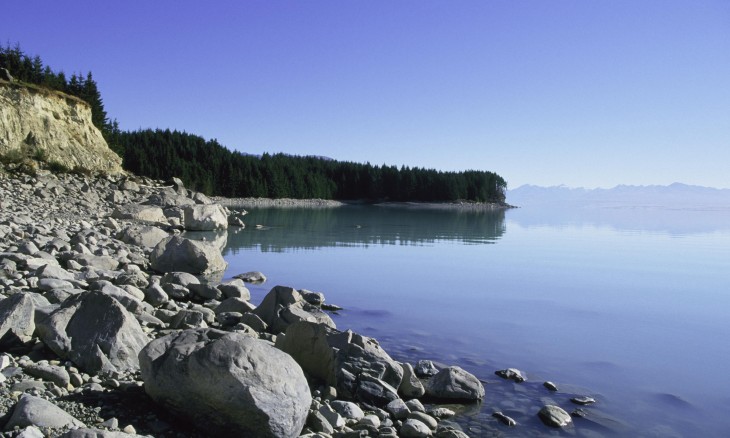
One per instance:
(627, 305)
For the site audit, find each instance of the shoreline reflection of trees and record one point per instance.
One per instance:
(357, 226)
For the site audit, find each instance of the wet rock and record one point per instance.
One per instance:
(456, 384)
(583, 400)
(554, 416)
(504, 419)
(512, 374)
(550, 386)
(425, 368)
(227, 383)
(255, 277)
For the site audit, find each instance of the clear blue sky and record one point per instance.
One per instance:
(583, 93)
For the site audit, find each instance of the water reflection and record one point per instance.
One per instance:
(674, 221)
(278, 230)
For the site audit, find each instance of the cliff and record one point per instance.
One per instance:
(53, 127)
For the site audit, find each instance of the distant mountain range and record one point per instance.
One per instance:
(673, 195)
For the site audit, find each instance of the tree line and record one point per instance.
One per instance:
(209, 167)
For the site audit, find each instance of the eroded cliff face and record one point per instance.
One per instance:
(53, 126)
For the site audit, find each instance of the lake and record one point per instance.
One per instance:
(629, 305)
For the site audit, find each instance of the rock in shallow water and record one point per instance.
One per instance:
(554, 416)
(456, 384)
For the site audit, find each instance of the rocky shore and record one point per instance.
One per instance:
(114, 324)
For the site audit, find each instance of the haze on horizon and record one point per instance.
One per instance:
(586, 94)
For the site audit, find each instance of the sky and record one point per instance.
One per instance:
(586, 93)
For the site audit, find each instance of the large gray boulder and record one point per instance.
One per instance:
(146, 236)
(356, 365)
(143, 213)
(283, 306)
(177, 253)
(168, 199)
(453, 383)
(201, 217)
(228, 384)
(35, 411)
(17, 320)
(94, 331)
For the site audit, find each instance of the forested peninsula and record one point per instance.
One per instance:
(211, 168)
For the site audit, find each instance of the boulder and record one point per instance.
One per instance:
(94, 331)
(146, 237)
(283, 306)
(17, 320)
(168, 199)
(205, 217)
(177, 253)
(554, 416)
(227, 383)
(255, 277)
(354, 364)
(453, 383)
(235, 289)
(35, 411)
(410, 386)
(142, 213)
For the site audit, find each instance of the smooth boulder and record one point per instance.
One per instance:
(94, 331)
(35, 411)
(177, 253)
(453, 383)
(554, 416)
(205, 217)
(229, 384)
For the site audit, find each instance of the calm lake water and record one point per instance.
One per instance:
(628, 305)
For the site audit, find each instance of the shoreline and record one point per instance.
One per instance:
(331, 203)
